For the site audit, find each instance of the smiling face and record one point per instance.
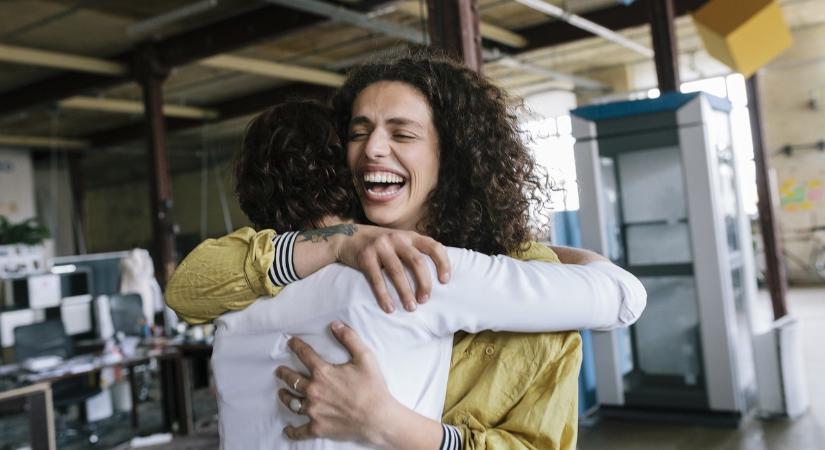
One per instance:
(392, 152)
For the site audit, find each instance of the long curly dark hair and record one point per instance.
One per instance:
(487, 182)
(291, 171)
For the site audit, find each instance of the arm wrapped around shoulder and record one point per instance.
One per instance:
(221, 275)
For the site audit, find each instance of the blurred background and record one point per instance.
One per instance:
(685, 139)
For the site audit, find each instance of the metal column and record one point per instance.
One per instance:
(666, 54)
(151, 74)
(78, 194)
(454, 28)
(775, 266)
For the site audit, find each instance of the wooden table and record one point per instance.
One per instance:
(41, 412)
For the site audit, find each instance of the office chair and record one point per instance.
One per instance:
(46, 339)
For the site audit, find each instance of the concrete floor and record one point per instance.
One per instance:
(806, 433)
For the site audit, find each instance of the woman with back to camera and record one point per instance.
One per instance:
(434, 147)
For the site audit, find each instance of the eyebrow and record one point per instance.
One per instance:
(359, 120)
(362, 120)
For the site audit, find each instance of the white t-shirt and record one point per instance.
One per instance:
(413, 349)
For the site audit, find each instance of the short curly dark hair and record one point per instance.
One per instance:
(487, 181)
(291, 171)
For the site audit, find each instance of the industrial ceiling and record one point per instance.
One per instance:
(67, 66)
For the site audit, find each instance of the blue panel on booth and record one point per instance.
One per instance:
(670, 101)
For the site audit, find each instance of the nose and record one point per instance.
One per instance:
(377, 145)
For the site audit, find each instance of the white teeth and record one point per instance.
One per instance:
(387, 193)
(382, 177)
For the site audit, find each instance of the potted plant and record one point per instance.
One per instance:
(20, 246)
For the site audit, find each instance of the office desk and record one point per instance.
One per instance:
(199, 353)
(41, 412)
(175, 406)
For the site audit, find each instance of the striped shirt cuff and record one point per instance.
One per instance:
(451, 439)
(282, 271)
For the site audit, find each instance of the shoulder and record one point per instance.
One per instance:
(536, 251)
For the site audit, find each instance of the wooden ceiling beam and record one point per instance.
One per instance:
(43, 142)
(274, 70)
(267, 22)
(57, 60)
(229, 109)
(115, 105)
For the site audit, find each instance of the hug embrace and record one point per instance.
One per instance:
(391, 294)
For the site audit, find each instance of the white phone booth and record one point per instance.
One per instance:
(659, 195)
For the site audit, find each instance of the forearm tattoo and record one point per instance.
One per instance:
(323, 234)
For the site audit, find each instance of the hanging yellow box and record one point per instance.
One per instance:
(743, 34)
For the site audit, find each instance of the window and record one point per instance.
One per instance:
(551, 141)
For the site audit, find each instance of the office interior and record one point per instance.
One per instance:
(684, 139)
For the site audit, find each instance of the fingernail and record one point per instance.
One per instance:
(411, 306)
(336, 325)
(389, 309)
(446, 276)
(424, 298)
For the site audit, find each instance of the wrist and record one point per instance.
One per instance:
(384, 430)
(337, 248)
(344, 244)
(400, 428)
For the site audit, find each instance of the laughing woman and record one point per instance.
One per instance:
(436, 155)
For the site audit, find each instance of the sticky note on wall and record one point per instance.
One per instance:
(743, 34)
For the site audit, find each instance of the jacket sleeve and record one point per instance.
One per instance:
(221, 275)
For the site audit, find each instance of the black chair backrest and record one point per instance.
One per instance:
(127, 313)
(42, 339)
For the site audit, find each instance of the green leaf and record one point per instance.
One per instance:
(29, 232)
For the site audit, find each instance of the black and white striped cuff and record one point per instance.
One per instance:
(451, 440)
(282, 271)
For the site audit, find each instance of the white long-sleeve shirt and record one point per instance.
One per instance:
(413, 349)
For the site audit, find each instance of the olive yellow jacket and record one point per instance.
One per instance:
(505, 390)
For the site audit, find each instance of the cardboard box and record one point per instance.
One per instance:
(744, 35)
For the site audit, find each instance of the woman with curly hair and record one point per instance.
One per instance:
(433, 148)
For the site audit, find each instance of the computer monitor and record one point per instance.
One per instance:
(127, 314)
(75, 282)
(103, 269)
(35, 291)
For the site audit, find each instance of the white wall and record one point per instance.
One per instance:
(16, 185)
(787, 85)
